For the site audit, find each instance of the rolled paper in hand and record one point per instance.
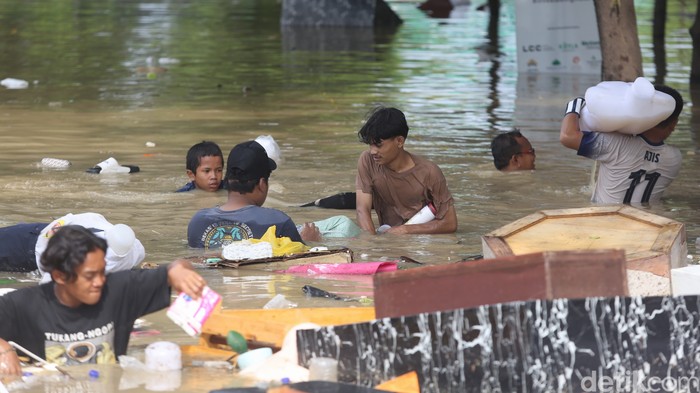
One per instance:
(426, 214)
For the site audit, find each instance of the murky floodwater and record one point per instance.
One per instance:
(233, 74)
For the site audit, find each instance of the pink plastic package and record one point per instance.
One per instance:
(191, 314)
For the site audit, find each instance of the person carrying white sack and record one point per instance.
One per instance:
(22, 245)
(635, 166)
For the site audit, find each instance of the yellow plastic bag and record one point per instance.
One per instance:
(280, 245)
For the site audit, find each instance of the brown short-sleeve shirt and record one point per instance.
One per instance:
(396, 197)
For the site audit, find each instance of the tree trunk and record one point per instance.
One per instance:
(494, 13)
(619, 41)
(659, 29)
(695, 36)
(494, 51)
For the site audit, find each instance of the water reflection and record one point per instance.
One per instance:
(334, 39)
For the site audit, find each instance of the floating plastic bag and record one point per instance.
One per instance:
(629, 108)
(361, 268)
(280, 245)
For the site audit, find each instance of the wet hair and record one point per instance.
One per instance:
(68, 248)
(504, 146)
(383, 123)
(242, 186)
(202, 149)
(679, 103)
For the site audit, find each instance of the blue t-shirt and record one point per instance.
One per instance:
(191, 186)
(215, 228)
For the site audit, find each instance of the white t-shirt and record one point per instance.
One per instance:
(632, 170)
(98, 224)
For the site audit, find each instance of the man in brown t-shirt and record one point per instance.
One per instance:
(397, 183)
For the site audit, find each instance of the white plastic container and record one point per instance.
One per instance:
(163, 356)
(426, 214)
(191, 314)
(323, 369)
(253, 357)
(629, 108)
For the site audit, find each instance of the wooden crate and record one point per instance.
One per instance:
(547, 275)
(267, 328)
(651, 243)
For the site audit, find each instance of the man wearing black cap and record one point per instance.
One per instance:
(242, 216)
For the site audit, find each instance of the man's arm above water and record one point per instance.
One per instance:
(570, 134)
(9, 362)
(363, 208)
(447, 224)
(183, 278)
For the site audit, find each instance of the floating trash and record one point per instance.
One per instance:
(12, 83)
(111, 165)
(244, 249)
(56, 163)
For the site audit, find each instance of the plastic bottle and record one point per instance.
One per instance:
(279, 301)
(323, 369)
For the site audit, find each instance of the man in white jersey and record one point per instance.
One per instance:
(633, 168)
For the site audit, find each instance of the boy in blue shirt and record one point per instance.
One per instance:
(205, 167)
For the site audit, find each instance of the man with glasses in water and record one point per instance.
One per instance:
(512, 152)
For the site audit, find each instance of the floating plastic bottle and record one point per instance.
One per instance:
(323, 369)
(278, 302)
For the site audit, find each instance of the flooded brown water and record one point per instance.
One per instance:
(232, 75)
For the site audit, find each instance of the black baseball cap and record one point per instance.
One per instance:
(249, 161)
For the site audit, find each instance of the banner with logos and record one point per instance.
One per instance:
(557, 36)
